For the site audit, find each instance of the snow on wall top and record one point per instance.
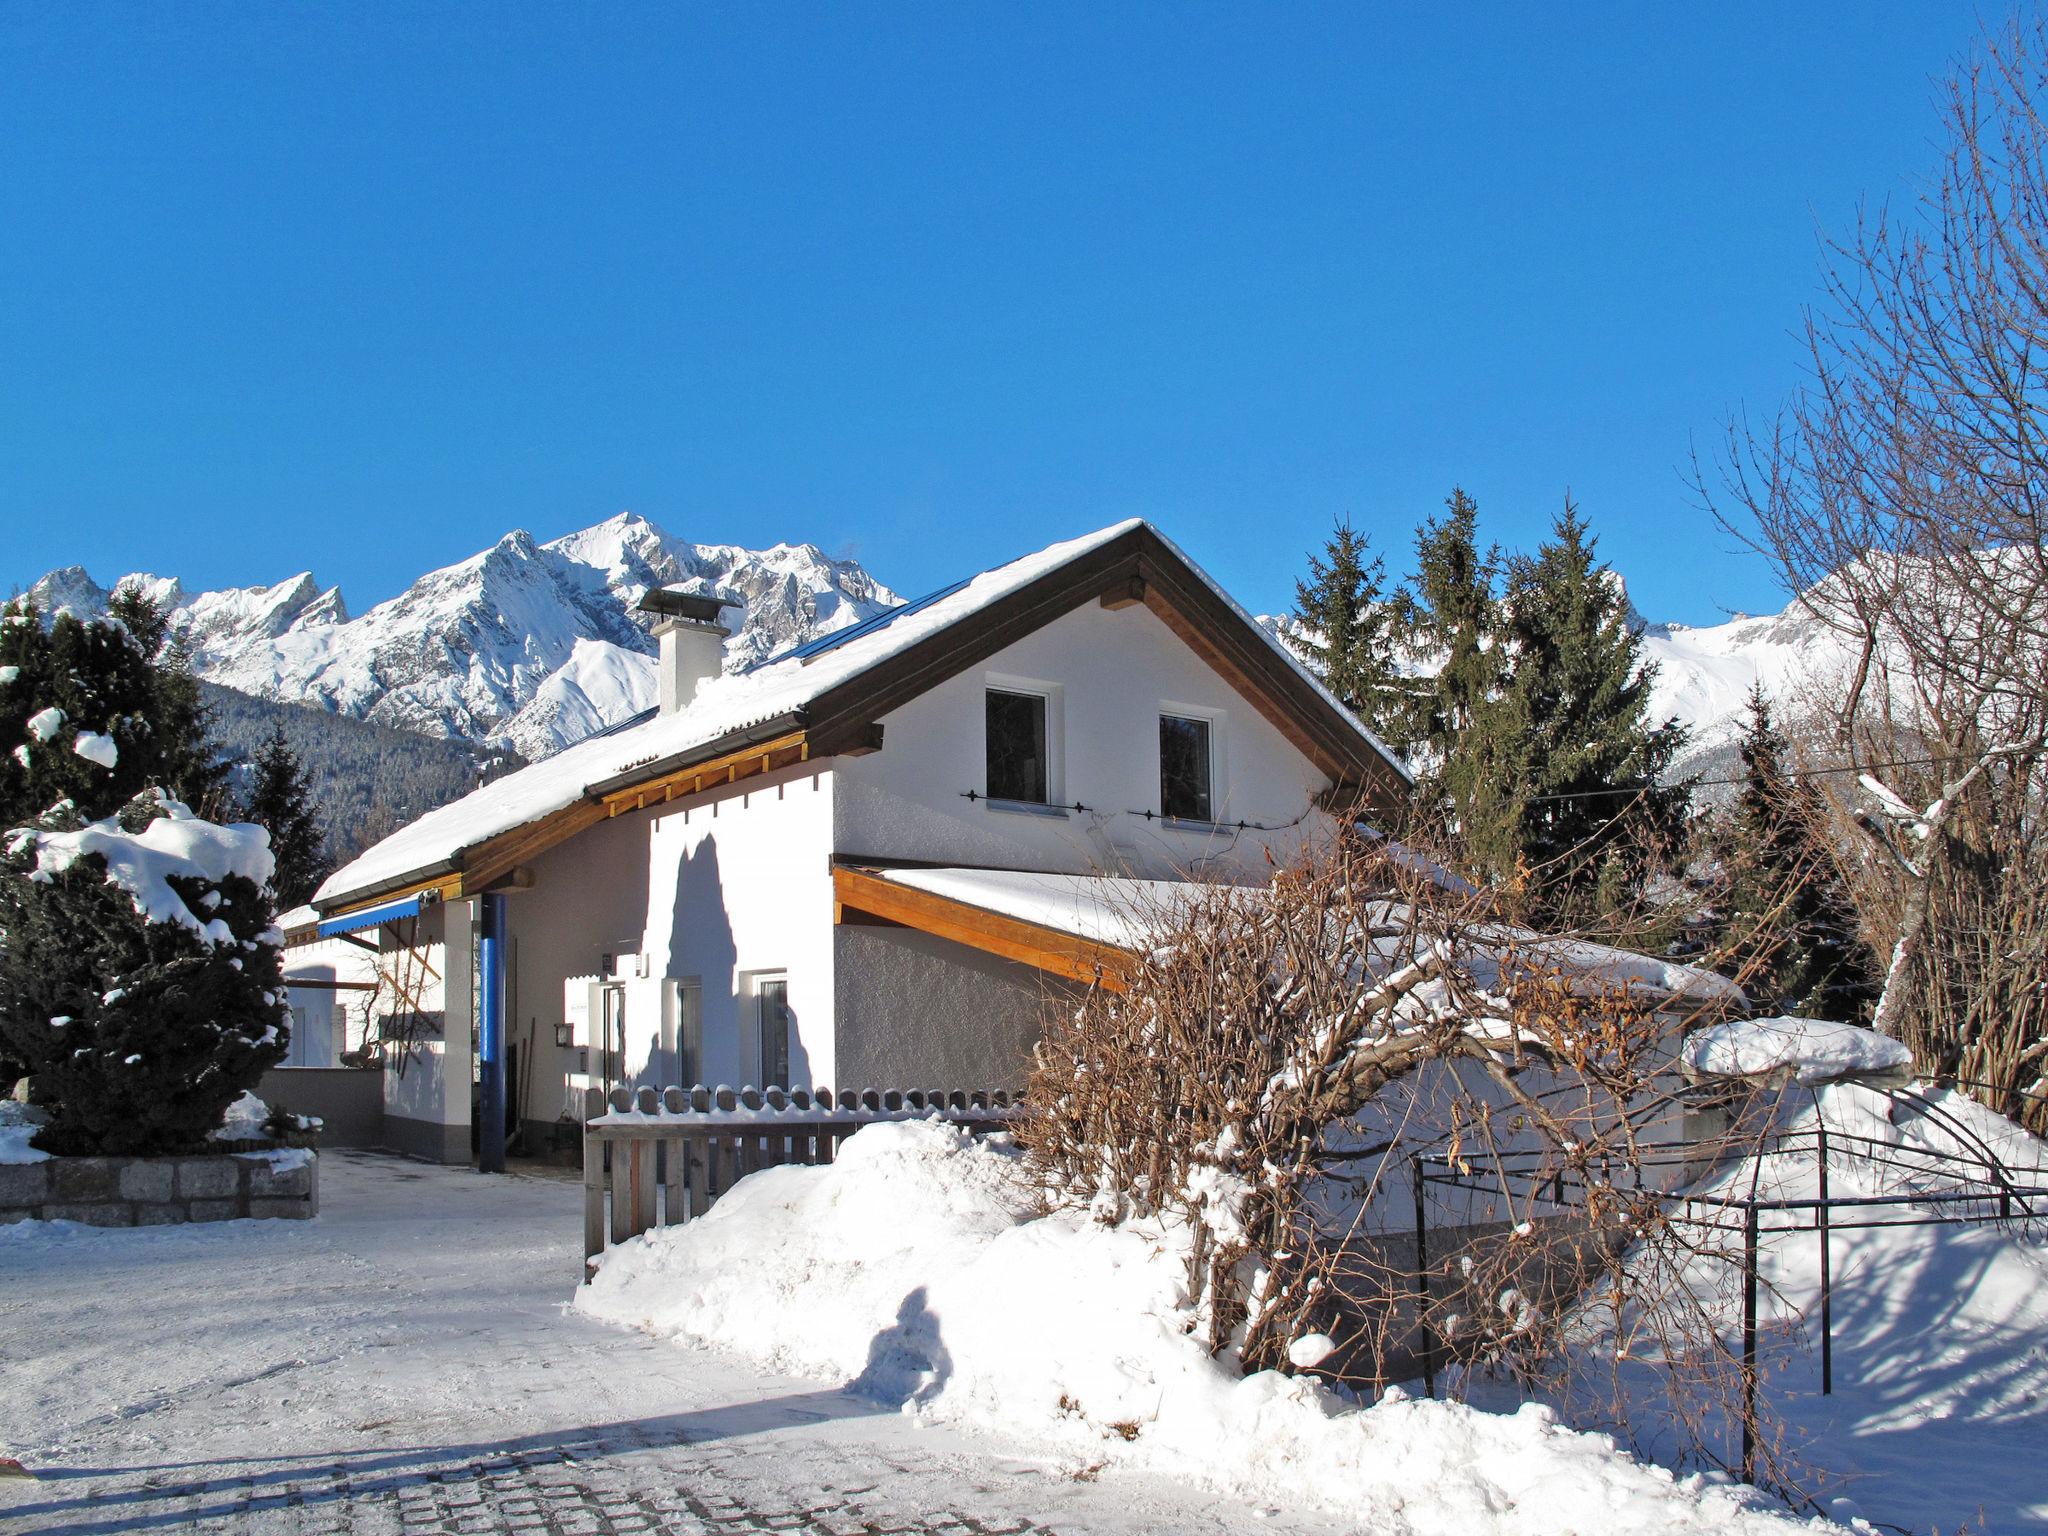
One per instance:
(723, 705)
(1130, 914)
(1813, 1051)
(142, 863)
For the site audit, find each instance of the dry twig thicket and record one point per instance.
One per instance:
(1285, 1056)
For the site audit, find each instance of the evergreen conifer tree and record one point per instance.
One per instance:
(185, 760)
(278, 802)
(1448, 613)
(1564, 758)
(76, 724)
(1347, 626)
(1791, 924)
(139, 1019)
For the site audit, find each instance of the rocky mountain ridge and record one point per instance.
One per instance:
(524, 645)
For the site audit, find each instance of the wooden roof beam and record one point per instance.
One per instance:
(858, 892)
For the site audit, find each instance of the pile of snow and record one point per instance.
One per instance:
(1938, 1416)
(1811, 1051)
(243, 1121)
(142, 863)
(915, 1268)
(17, 1124)
(96, 748)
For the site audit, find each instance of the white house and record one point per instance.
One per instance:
(793, 874)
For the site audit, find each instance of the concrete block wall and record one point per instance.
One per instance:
(161, 1191)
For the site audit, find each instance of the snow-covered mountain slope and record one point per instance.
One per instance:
(1704, 675)
(526, 645)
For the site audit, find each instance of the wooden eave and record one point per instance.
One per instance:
(484, 865)
(862, 893)
(749, 762)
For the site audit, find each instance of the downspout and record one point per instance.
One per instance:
(491, 1036)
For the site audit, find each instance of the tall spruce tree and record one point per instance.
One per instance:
(95, 711)
(187, 762)
(1448, 613)
(279, 803)
(1348, 634)
(1791, 925)
(1564, 758)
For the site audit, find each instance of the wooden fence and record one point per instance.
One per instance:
(658, 1159)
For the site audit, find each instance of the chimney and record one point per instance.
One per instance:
(692, 642)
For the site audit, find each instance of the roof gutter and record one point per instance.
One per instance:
(440, 869)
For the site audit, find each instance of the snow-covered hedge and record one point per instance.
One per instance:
(139, 973)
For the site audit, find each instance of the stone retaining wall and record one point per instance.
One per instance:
(160, 1191)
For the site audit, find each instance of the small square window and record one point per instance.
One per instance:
(1185, 768)
(1016, 746)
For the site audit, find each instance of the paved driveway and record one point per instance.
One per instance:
(405, 1364)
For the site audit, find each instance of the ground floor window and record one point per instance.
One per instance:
(682, 1031)
(777, 1028)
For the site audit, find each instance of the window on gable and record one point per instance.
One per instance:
(1016, 746)
(1185, 768)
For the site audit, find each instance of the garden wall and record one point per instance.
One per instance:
(161, 1191)
(348, 1101)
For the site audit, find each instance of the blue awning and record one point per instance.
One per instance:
(370, 917)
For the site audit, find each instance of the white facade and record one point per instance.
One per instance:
(657, 936)
(700, 940)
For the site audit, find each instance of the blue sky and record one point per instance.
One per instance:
(360, 288)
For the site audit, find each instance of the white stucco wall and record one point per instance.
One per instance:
(733, 887)
(589, 899)
(740, 887)
(1112, 674)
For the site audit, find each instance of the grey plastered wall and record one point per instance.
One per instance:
(348, 1101)
(915, 1011)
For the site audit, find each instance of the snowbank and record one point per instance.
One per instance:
(142, 863)
(243, 1120)
(17, 1124)
(1813, 1051)
(915, 1268)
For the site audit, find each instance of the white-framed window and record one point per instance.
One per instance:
(1021, 740)
(1189, 763)
(682, 1031)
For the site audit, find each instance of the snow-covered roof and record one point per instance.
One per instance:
(1809, 1051)
(1128, 913)
(729, 706)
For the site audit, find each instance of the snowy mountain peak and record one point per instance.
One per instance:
(524, 644)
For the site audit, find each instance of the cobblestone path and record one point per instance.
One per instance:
(405, 1364)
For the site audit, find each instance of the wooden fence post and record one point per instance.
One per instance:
(593, 1181)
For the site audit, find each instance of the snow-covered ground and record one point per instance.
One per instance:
(914, 1267)
(407, 1361)
(1939, 1415)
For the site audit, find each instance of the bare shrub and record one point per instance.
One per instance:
(1289, 1074)
(1900, 496)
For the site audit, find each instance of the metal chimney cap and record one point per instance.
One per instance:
(671, 604)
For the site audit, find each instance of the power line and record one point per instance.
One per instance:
(1787, 773)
